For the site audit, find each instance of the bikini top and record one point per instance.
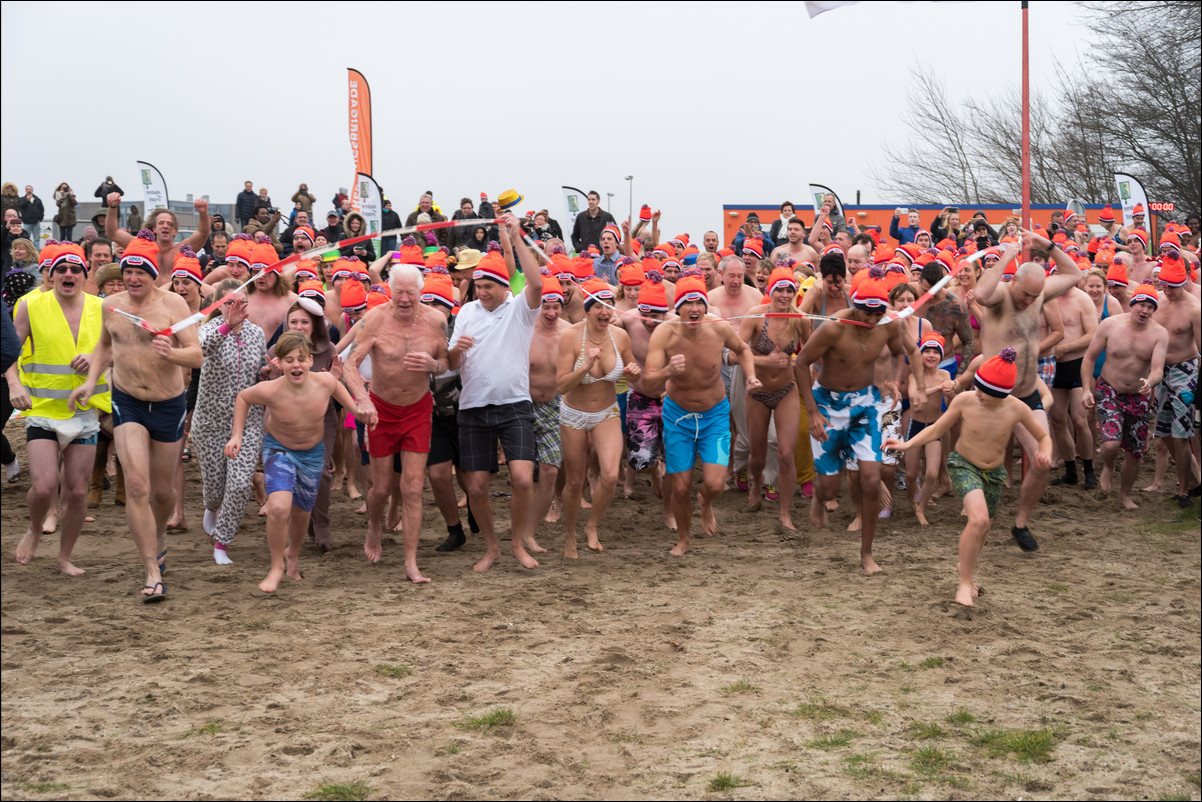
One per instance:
(818, 322)
(582, 360)
(766, 345)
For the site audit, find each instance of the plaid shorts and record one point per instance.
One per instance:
(546, 432)
(481, 427)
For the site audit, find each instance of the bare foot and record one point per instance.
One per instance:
(27, 547)
(1105, 478)
(522, 557)
(65, 567)
(590, 534)
(682, 546)
(292, 566)
(88, 519)
(361, 509)
(832, 504)
(1127, 503)
(50, 524)
(786, 521)
(272, 580)
(965, 594)
(670, 521)
(709, 524)
(391, 523)
(921, 515)
(336, 482)
(462, 502)
(754, 500)
(817, 513)
(855, 525)
(177, 526)
(870, 566)
(942, 491)
(1154, 489)
(414, 575)
(657, 486)
(569, 548)
(532, 545)
(486, 562)
(263, 511)
(584, 504)
(353, 492)
(553, 512)
(372, 547)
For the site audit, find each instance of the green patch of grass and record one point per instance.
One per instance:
(764, 722)
(932, 662)
(210, 728)
(1095, 686)
(1085, 740)
(1059, 587)
(863, 767)
(393, 672)
(1121, 597)
(626, 738)
(833, 741)
(875, 717)
(1145, 716)
(924, 731)
(148, 699)
(1027, 745)
(384, 725)
(1025, 781)
(929, 760)
(43, 747)
(1174, 797)
(906, 689)
(741, 686)
(725, 782)
(960, 717)
(501, 717)
(254, 624)
(819, 710)
(45, 788)
(904, 666)
(340, 792)
(453, 748)
(1194, 779)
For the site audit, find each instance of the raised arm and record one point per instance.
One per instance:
(200, 237)
(111, 229)
(529, 262)
(1067, 274)
(989, 286)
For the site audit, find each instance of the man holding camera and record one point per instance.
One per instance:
(265, 222)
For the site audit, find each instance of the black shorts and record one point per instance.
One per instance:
(1033, 401)
(444, 441)
(38, 433)
(916, 427)
(1068, 374)
(481, 427)
(164, 420)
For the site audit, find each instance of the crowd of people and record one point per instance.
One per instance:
(797, 360)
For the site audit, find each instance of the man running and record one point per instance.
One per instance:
(1176, 396)
(165, 226)
(149, 398)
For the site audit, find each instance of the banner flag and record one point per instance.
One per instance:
(817, 192)
(371, 202)
(154, 189)
(359, 127)
(1131, 192)
(575, 201)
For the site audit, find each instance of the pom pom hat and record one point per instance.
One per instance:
(1147, 294)
(873, 293)
(552, 289)
(1139, 234)
(438, 288)
(1106, 215)
(187, 265)
(353, 296)
(143, 253)
(1172, 272)
(781, 277)
(691, 288)
(652, 295)
(996, 376)
(596, 290)
(492, 268)
(932, 339)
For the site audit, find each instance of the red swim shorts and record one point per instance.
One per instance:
(401, 428)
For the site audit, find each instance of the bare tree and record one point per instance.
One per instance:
(1135, 106)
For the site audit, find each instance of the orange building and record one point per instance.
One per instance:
(735, 214)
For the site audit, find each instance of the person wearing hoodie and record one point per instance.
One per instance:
(462, 236)
(8, 197)
(305, 198)
(354, 225)
(426, 206)
(390, 221)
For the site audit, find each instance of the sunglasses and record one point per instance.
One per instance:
(69, 269)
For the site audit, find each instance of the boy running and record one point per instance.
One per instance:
(293, 451)
(975, 468)
(928, 377)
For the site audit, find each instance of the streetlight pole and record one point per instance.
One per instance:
(609, 202)
(630, 211)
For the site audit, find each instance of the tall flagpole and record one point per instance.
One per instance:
(1026, 213)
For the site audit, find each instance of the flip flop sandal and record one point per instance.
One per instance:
(162, 561)
(186, 456)
(154, 598)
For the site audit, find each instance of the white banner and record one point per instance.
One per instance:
(154, 189)
(1131, 192)
(818, 192)
(371, 203)
(575, 201)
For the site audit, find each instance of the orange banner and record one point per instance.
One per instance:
(359, 126)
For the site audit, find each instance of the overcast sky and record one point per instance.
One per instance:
(730, 103)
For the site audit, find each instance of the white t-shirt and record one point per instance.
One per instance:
(496, 369)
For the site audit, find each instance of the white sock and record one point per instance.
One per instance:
(210, 523)
(221, 557)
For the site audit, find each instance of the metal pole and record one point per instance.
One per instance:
(1026, 133)
(630, 210)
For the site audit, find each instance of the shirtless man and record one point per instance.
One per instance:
(1080, 319)
(733, 299)
(842, 406)
(685, 357)
(1179, 313)
(61, 327)
(949, 316)
(1012, 315)
(1135, 346)
(644, 411)
(710, 241)
(165, 227)
(1141, 267)
(270, 295)
(573, 303)
(149, 398)
(407, 343)
(544, 354)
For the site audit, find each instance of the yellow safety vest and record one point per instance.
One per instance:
(48, 373)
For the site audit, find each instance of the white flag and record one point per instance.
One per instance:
(1132, 194)
(154, 189)
(371, 203)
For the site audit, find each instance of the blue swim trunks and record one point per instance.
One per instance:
(688, 435)
(854, 428)
(163, 420)
(295, 472)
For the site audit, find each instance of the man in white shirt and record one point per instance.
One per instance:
(490, 348)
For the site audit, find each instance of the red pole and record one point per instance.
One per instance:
(1026, 215)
